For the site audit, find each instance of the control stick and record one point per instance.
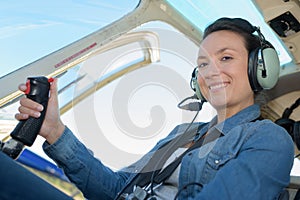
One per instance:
(27, 130)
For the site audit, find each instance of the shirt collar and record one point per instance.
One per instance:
(246, 115)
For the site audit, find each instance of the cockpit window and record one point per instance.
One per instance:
(32, 29)
(201, 13)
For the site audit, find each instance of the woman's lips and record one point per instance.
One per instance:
(217, 86)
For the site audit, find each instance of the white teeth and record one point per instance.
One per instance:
(214, 87)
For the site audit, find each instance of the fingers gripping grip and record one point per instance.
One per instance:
(37, 90)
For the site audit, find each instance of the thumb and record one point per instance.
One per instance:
(54, 92)
(53, 88)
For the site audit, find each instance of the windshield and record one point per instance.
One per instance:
(202, 13)
(32, 29)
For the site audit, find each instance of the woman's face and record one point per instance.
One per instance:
(222, 71)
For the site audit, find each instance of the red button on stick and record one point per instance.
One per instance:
(50, 80)
(27, 87)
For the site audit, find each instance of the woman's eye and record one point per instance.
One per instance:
(226, 58)
(201, 65)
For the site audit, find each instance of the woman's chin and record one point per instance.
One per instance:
(218, 103)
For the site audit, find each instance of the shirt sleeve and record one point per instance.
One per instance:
(260, 171)
(95, 180)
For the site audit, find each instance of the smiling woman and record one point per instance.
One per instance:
(120, 69)
(214, 154)
(225, 71)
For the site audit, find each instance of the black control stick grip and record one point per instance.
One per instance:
(27, 130)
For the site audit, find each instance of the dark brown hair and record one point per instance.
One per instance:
(239, 26)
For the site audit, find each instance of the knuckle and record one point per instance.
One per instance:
(23, 101)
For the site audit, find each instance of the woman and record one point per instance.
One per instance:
(251, 159)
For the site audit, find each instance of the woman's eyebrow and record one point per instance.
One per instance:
(220, 51)
(216, 53)
(201, 57)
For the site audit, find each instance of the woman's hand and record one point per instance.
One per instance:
(52, 127)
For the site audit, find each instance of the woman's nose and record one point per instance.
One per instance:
(213, 69)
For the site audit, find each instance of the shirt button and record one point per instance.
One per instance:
(217, 161)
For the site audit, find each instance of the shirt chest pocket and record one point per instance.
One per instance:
(216, 160)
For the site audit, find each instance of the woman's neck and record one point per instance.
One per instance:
(227, 111)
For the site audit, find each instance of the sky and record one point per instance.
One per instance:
(31, 29)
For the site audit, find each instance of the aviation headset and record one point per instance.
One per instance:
(292, 127)
(263, 62)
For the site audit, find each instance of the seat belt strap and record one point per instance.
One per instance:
(166, 173)
(159, 157)
(211, 136)
(144, 178)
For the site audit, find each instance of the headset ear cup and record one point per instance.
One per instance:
(271, 65)
(263, 68)
(197, 88)
(296, 131)
(252, 70)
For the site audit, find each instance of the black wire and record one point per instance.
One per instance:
(179, 105)
(153, 173)
(185, 187)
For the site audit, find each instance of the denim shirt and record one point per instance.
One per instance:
(252, 160)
